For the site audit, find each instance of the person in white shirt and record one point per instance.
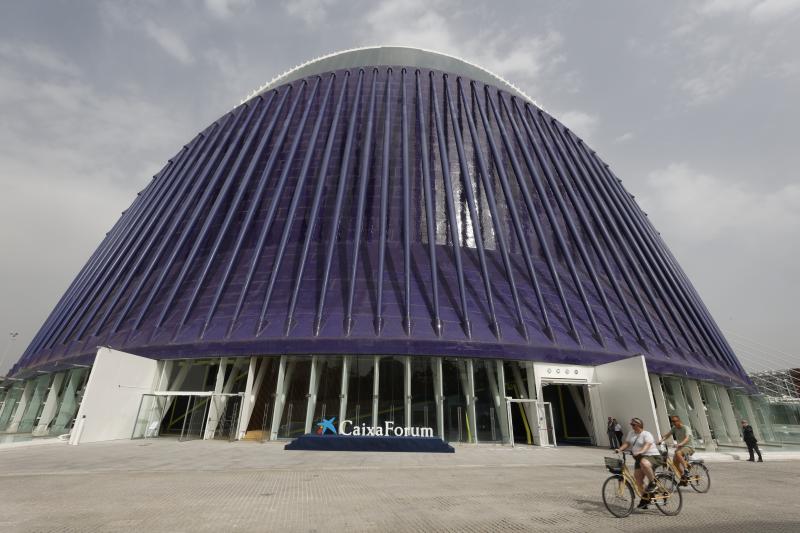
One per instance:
(646, 456)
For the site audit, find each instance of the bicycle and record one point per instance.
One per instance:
(698, 476)
(620, 487)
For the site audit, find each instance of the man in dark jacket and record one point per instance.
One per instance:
(751, 441)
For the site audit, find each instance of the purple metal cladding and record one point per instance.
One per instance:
(386, 210)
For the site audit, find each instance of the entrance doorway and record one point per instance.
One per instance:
(189, 416)
(571, 408)
(533, 423)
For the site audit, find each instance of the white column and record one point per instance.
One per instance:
(726, 404)
(438, 392)
(468, 383)
(50, 405)
(701, 420)
(528, 409)
(751, 418)
(244, 408)
(496, 385)
(345, 387)
(313, 388)
(280, 399)
(257, 384)
(177, 383)
(662, 416)
(216, 407)
(22, 405)
(161, 383)
(407, 388)
(375, 390)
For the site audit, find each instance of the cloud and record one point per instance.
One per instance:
(583, 124)
(625, 137)
(312, 12)
(713, 83)
(698, 208)
(72, 156)
(169, 41)
(439, 25)
(757, 10)
(33, 54)
(225, 8)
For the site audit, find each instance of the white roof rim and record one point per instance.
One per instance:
(303, 70)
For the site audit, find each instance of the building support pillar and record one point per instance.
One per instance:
(216, 407)
(244, 407)
(407, 388)
(280, 399)
(177, 382)
(726, 405)
(50, 405)
(251, 400)
(22, 406)
(662, 416)
(497, 381)
(346, 362)
(468, 385)
(751, 418)
(161, 383)
(317, 366)
(69, 405)
(376, 361)
(438, 393)
(8, 406)
(701, 420)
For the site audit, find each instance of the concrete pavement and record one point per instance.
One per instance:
(165, 485)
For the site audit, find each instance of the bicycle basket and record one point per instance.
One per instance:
(613, 464)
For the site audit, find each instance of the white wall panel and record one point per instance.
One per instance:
(625, 392)
(111, 400)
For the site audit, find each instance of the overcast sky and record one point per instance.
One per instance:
(693, 103)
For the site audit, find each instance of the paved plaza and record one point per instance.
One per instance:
(165, 485)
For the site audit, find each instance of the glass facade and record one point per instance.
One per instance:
(461, 400)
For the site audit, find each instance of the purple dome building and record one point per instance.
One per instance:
(382, 234)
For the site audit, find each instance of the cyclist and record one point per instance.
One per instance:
(646, 457)
(682, 436)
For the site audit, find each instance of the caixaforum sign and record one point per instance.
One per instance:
(388, 429)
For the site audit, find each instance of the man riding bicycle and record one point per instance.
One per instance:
(682, 436)
(646, 456)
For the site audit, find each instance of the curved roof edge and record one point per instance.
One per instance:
(392, 55)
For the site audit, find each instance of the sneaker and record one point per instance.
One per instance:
(751, 460)
(643, 504)
(760, 460)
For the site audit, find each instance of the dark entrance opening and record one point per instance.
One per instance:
(567, 419)
(185, 417)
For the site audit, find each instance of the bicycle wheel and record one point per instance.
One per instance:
(699, 478)
(667, 495)
(618, 496)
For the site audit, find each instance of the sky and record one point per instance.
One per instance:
(693, 103)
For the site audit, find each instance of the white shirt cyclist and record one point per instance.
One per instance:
(642, 443)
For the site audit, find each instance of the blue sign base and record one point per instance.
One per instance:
(350, 443)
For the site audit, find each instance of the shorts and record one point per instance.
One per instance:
(655, 461)
(686, 450)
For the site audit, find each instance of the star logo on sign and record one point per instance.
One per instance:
(326, 425)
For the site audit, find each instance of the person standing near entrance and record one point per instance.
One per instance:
(751, 441)
(613, 442)
(618, 431)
